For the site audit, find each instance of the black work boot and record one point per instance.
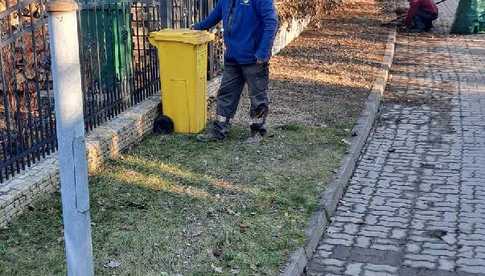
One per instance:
(218, 132)
(429, 26)
(258, 132)
(258, 126)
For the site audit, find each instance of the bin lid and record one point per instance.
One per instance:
(182, 35)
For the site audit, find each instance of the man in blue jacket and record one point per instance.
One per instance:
(249, 31)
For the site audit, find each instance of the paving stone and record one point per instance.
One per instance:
(476, 270)
(419, 264)
(384, 247)
(445, 264)
(351, 228)
(354, 269)
(381, 268)
(471, 262)
(362, 241)
(398, 233)
(339, 242)
(375, 273)
(413, 248)
(438, 252)
(333, 262)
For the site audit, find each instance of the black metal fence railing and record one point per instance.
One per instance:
(27, 127)
(183, 13)
(119, 67)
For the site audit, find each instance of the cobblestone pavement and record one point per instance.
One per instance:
(416, 202)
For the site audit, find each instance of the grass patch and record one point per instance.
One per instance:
(174, 205)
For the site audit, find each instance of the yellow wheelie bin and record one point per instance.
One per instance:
(183, 75)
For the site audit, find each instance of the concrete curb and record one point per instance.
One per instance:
(320, 220)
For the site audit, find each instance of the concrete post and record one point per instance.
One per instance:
(66, 75)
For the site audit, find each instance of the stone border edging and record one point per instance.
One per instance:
(329, 199)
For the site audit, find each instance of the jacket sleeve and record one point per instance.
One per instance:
(413, 9)
(267, 12)
(214, 17)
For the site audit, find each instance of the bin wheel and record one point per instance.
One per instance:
(163, 125)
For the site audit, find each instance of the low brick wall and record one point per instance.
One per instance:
(19, 192)
(104, 142)
(288, 32)
(108, 140)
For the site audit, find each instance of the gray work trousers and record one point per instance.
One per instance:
(234, 78)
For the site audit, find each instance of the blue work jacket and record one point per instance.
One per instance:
(249, 28)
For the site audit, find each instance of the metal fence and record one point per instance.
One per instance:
(183, 13)
(119, 67)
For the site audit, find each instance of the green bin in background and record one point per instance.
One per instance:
(106, 36)
(470, 17)
(481, 16)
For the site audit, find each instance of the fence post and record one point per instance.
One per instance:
(66, 75)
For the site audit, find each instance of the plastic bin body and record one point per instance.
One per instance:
(467, 17)
(183, 75)
(481, 16)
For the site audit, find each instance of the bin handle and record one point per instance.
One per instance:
(151, 40)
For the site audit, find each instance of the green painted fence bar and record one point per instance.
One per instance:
(108, 26)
